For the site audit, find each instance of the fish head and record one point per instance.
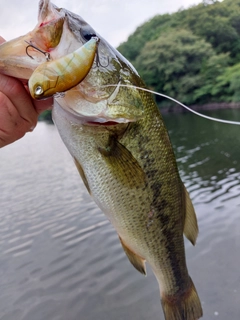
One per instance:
(108, 91)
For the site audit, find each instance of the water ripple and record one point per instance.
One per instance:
(24, 247)
(63, 260)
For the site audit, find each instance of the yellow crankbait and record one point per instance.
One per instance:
(64, 73)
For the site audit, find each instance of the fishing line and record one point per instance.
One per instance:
(178, 102)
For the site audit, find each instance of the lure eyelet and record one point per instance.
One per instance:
(38, 91)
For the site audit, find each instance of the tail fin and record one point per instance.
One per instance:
(184, 307)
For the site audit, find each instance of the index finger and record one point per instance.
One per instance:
(17, 94)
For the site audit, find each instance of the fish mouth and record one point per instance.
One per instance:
(90, 120)
(14, 61)
(21, 56)
(102, 124)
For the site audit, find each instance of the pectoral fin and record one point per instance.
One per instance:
(82, 174)
(190, 228)
(124, 167)
(136, 261)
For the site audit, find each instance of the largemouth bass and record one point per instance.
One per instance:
(122, 151)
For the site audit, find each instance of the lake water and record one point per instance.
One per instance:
(61, 259)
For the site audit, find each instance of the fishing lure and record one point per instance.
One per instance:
(64, 73)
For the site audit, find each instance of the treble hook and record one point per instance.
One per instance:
(98, 63)
(30, 45)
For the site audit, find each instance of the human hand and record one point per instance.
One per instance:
(18, 111)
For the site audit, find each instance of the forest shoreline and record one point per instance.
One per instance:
(205, 107)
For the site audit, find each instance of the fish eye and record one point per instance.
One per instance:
(87, 34)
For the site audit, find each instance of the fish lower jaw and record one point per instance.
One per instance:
(101, 118)
(105, 122)
(89, 120)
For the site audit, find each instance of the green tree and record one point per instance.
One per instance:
(192, 54)
(172, 63)
(228, 84)
(215, 22)
(212, 69)
(147, 32)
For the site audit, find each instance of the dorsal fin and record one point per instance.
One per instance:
(136, 261)
(190, 225)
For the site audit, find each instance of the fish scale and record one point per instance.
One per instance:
(163, 201)
(128, 208)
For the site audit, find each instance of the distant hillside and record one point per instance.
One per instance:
(192, 55)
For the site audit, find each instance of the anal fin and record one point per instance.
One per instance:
(136, 260)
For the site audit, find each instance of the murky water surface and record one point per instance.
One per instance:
(61, 259)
